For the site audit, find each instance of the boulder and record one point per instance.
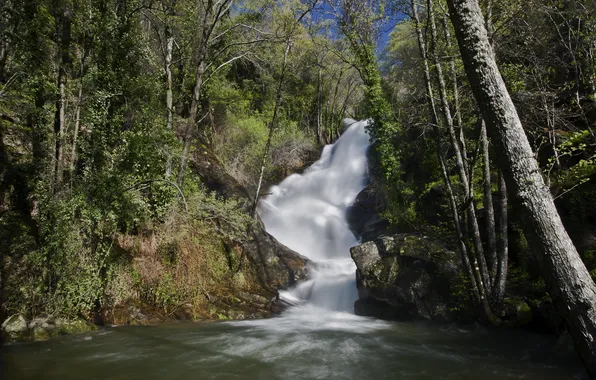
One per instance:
(15, 327)
(43, 328)
(405, 276)
(363, 215)
(277, 266)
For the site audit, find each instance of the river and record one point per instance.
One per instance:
(319, 337)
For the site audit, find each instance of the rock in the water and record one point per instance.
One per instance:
(405, 276)
(363, 216)
(277, 266)
(43, 328)
(15, 327)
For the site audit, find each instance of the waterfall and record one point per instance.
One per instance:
(307, 213)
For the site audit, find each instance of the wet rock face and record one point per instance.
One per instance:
(405, 276)
(363, 216)
(276, 266)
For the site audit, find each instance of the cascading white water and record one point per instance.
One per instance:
(307, 213)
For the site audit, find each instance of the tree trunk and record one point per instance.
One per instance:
(320, 137)
(476, 293)
(272, 125)
(502, 247)
(63, 30)
(456, 104)
(75, 136)
(192, 120)
(459, 159)
(566, 276)
(489, 210)
(169, 92)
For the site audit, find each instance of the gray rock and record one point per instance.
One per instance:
(347, 122)
(363, 215)
(15, 327)
(405, 276)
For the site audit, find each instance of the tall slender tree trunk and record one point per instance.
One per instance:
(456, 103)
(459, 159)
(502, 246)
(75, 136)
(488, 203)
(63, 29)
(192, 119)
(272, 124)
(568, 281)
(476, 292)
(333, 122)
(320, 135)
(169, 92)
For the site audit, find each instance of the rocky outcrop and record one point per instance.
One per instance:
(363, 215)
(405, 276)
(276, 266)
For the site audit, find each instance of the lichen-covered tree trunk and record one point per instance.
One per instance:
(566, 276)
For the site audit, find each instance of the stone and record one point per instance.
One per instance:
(405, 276)
(15, 327)
(363, 215)
(73, 326)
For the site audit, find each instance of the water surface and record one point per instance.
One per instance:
(306, 343)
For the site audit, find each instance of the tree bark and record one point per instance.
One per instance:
(459, 159)
(566, 276)
(169, 91)
(320, 137)
(456, 103)
(212, 14)
(272, 125)
(63, 30)
(475, 291)
(75, 136)
(502, 247)
(489, 210)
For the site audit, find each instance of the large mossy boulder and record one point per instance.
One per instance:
(406, 276)
(15, 328)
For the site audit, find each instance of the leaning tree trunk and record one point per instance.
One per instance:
(568, 281)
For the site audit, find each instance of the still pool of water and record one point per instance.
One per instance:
(305, 343)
